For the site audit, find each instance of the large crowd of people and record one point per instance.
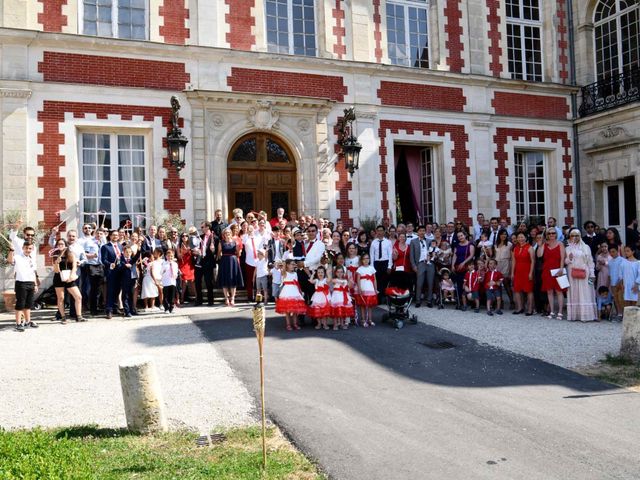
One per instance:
(331, 274)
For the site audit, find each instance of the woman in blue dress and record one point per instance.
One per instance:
(229, 272)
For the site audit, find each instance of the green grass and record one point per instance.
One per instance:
(89, 452)
(616, 360)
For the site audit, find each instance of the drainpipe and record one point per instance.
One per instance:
(574, 109)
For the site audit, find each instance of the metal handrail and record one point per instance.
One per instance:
(610, 92)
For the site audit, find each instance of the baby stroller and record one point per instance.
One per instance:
(399, 300)
(45, 298)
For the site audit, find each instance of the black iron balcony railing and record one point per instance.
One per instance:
(610, 92)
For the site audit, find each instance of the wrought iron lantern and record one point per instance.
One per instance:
(348, 142)
(176, 142)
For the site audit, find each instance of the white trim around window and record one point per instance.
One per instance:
(524, 30)
(406, 21)
(530, 188)
(280, 17)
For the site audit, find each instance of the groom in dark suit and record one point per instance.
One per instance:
(110, 254)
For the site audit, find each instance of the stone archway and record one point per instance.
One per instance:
(261, 174)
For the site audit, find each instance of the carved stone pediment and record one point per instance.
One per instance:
(610, 138)
(263, 116)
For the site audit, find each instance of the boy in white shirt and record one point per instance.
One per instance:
(261, 275)
(276, 279)
(27, 283)
(169, 279)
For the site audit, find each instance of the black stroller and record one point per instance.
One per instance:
(399, 300)
(46, 297)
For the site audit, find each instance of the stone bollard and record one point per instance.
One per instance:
(143, 403)
(630, 348)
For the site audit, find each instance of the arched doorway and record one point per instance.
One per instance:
(261, 174)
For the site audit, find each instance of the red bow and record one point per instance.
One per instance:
(352, 268)
(325, 290)
(344, 291)
(291, 282)
(370, 277)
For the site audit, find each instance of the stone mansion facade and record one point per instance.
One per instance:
(462, 106)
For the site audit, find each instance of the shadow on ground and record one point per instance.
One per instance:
(420, 352)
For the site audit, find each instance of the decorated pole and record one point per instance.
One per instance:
(259, 327)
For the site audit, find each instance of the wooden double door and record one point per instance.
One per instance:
(261, 175)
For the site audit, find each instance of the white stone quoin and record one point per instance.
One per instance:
(630, 347)
(143, 403)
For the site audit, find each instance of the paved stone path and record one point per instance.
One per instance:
(381, 404)
(61, 375)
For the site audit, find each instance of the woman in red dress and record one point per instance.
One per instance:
(402, 275)
(552, 254)
(187, 269)
(522, 273)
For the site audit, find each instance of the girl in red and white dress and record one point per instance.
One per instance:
(367, 290)
(320, 307)
(352, 262)
(341, 304)
(290, 302)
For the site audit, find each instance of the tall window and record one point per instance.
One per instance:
(524, 44)
(407, 33)
(291, 27)
(113, 178)
(428, 180)
(115, 18)
(530, 191)
(617, 37)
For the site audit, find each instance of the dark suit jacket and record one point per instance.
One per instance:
(129, 273)
(108, 256)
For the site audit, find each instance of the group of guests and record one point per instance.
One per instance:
(328, 272)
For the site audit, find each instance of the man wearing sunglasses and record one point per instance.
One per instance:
(28, 233)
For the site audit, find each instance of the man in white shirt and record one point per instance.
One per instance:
(551, 224)
(314, 249)
(26, 284)
(411, 235)
(494, 229)
(381, 259)
(29, 233)
(477, 228)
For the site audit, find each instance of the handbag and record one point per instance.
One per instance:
(65, 275)
(579, 273)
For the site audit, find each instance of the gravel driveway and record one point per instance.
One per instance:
(568, 344)
(61, 375)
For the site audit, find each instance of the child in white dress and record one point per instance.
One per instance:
(367, 296)
(290, 302)
(320, 307)
(341, 303)
(151, 286)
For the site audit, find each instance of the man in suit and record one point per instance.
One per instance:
(275, 246)
(206, 265)
(110, 254)
(422, 264)
(151, 241)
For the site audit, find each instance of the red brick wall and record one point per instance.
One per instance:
(175, 14)
(51, 18)
(563, 59)
(51, 182)
(460, 154)
(377, 32)
(287, 83)
(425, 97)
(240, 22)
(339, 48)
(532, 106)
(343, 184)
(493, 19)
(503, 161)
(112, 71)
(454, 32)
